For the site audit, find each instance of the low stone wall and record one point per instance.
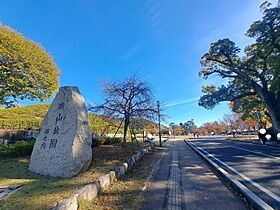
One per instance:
(91, 190)
(11, 136)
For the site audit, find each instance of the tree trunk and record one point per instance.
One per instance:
(125, 128)
(273, 108)
(118, 129)
(274, 113)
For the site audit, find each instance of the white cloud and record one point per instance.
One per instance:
(182, 102)
(132, 51)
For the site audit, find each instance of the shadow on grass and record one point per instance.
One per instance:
(42, 192)
(127, 192)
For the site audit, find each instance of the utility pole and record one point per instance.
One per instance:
(159, 132)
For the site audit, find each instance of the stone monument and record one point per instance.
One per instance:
(63, 146)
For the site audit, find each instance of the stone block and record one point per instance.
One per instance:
(88, 192)
(130, 162)
(113, 177)
(120, 171)
(136, 157)
(125, 165)
(67, 204)
(104, 181)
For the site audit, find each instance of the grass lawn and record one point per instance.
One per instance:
(127, 193)
(40, 192)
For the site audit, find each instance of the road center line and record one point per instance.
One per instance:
(271, 194)
(260, 153)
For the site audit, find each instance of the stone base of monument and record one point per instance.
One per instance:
(63, 146)
(90, 191)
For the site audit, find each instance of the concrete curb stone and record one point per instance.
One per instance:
(130, 162)
(104, 181)
(90, 191)
(67, 204)
(125, 165)
(113, 177)
(120, 171)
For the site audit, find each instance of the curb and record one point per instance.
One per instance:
(255, 201)
(91, 190)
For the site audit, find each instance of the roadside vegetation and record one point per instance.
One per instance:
(41, 192)
(127, 192)
(27, 71)
(130, 100)
(20, 148)
(252, 76)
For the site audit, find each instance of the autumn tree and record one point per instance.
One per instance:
(27, 71)
(128, 99)
(188, 127)
(232, 122)
(256, 74)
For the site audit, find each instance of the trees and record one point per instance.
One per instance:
(232, 122)
(183, 128)
(256, 74)
(188, 127)
(127, 99)
(26, 70)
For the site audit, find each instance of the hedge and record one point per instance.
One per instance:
(105, 141)
(20, 148)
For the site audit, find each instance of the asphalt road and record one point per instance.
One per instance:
(182, 180)
(255, 166)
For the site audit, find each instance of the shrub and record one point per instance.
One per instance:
(109, 141)
(105, 141)
(20, 148)
(95, 142)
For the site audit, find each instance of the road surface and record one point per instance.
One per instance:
(255, 166)
(183, 180)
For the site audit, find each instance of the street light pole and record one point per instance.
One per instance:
(159, 132)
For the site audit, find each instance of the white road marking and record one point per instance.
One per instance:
(243, 188)
(260, 153)
(271, 194)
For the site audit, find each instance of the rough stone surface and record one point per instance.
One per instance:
(120, 171)
(67, 204)
(136, 157)
(113, 177)
(88, 192)
(63, 146)
(141, 154)
(130, 162)
(125, 165)
(145, 151)
(104, 181)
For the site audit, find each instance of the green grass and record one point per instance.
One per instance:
(40, 192)
(127, 193)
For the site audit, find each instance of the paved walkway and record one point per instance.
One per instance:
(184, 181)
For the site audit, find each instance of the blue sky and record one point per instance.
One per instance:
(162, 40)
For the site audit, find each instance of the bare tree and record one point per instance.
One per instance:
(127, 99)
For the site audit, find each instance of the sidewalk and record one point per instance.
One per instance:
(184, 181)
